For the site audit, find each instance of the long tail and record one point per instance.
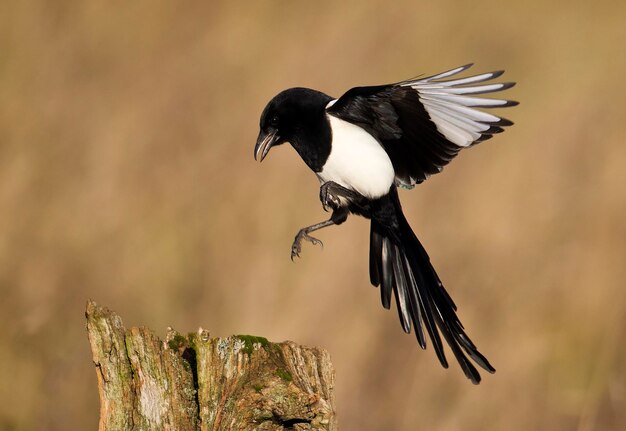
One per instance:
(399, 263)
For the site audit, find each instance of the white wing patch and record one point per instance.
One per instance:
(451, 104)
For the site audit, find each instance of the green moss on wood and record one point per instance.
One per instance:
(250, 340)
(178, 342)
(284, 374)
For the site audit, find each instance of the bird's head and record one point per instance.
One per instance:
(287, 115)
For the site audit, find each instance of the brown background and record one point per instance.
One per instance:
(126, 176)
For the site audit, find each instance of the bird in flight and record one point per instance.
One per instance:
(362, 147)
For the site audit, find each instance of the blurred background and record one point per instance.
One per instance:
(127, 176)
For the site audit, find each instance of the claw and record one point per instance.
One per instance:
(324, 197)
(296, 247)
(329, 200)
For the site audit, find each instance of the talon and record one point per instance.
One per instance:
(329, 200)
(324, 197)
(314, 241)
(324, 206)
(294, 254)
(296, 247)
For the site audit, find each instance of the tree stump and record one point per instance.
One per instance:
(196, 382)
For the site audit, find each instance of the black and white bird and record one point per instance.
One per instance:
(362, 147)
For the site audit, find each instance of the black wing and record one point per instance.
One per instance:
(424, 123)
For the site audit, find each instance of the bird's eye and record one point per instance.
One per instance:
(274, 121)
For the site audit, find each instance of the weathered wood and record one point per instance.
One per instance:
(143, 384)
(196, 382)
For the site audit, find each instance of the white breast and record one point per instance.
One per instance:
(357, 161)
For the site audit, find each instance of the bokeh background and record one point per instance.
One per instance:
(127, 176)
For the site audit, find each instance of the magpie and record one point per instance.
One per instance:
(362, 147)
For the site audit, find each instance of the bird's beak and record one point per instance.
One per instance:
(263, 144)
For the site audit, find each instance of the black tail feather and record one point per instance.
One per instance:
(401, 288)
(378, 275)
(468, 368)
(399, 264)
(416, 310)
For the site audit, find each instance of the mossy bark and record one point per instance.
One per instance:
(196, 382)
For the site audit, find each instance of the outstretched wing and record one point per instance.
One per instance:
(424, 123)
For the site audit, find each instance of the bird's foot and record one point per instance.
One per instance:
(329, 197)
(296, 247)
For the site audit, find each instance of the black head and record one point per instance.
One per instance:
(287, 115)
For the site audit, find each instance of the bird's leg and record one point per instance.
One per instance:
(339, 216)
(296, 247)
(334, 196)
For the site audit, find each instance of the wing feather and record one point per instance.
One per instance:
(423, 123)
